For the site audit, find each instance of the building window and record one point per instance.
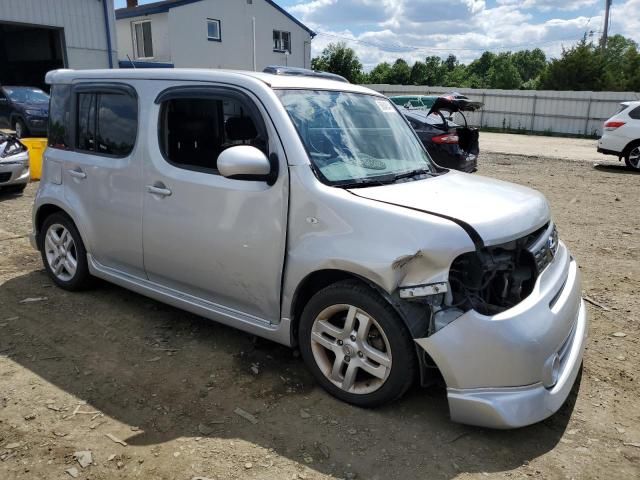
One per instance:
(143, 43)
(281, 41)
(107, 123)
(213, 30)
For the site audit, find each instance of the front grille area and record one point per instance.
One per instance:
(544, 247)
(5, 177)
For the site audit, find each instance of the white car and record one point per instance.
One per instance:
(621, 135)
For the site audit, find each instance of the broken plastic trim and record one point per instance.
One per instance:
(423, 290)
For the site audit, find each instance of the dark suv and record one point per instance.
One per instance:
(25, 110)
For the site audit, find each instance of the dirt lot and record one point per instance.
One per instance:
(78, 368)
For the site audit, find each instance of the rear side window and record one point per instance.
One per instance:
(635, 113)
(59, 117)
(106, 123)
(195, 130)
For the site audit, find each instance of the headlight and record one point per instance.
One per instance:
(34, 112)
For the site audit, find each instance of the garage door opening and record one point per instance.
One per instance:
(28, 52)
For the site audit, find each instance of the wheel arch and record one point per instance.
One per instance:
(414, 316)
(46, 210)
(629, 146)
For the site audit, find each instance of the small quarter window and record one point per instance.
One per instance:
(106, 123)
(194, 131)
(86, 126)
(635, 113)
(59, 116)
(213, 30)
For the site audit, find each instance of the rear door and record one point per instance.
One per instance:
(103, 174)
(218, 239)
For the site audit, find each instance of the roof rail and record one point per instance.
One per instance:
(303, 72)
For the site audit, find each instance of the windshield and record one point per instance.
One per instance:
(26, 95)
(355, 138)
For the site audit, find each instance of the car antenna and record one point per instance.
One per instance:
(131, 62)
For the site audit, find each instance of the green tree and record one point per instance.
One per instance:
(456, 77)
(451, 62)
(503, 73)
(530, 63)
(419, 74)
(435, 71)
(480, 66)
(380, 74)
(580, 67)
(340, 59)
(400, 73)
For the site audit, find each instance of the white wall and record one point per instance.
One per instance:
(575, 113)
(180, 36)
(82, 21)
(159, 37)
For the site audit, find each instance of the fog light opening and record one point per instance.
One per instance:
(553, 371)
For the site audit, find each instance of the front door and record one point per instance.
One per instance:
(218, 239)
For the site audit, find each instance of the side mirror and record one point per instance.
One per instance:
(244, 162)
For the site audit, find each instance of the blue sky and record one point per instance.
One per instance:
(383, 30)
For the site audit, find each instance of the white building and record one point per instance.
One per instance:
(235, 34)
(40, 35)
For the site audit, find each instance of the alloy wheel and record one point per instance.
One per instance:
(351, 349)
(61, 253)
(634, 158)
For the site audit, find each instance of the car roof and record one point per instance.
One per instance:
(201, 74)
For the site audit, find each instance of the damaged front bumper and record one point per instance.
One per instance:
(517, 367)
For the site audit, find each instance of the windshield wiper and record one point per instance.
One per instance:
(413, 173)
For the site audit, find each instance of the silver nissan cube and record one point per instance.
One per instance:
(305, 210)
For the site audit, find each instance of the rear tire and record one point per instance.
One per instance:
(632, 157)
(64, 254)
(356, 345)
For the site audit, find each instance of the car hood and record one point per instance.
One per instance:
(43, 106)
(495, 211)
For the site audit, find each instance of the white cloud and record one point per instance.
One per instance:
(548, 5)
(383, 30)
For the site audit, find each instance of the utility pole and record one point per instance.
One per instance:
(605, 31)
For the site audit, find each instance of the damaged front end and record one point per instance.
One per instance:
(497, 278)
(489, 280)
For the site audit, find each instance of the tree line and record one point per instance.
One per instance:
(584, 66)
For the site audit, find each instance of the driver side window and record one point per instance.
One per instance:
(194, 131)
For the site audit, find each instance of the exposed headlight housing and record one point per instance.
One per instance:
(30, 111)
(418, 291)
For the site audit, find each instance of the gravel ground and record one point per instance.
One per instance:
(578, 149)
(153, 392)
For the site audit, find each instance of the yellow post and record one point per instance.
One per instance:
(36, 148)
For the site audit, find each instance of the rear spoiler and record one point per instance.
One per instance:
(454, 103)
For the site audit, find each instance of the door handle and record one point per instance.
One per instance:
(77, 173)
(160, 190)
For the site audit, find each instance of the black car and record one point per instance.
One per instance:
(449, 144)
(25, 110)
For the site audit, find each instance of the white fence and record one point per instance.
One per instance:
(543, 111)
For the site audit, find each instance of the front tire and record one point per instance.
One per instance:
(632, 158)
(356, 346)
(21, 129)
(63, 253)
